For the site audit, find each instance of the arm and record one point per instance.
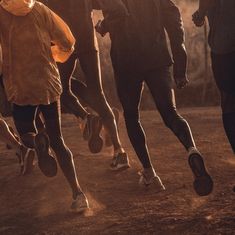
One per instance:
(173, 24)
(198, 16)
(114, 12)
(61, 37)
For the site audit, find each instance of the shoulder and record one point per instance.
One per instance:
(40, 7)
(42, 11)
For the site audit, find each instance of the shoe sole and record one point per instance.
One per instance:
(80, 210)
(28, 163)
(203, 183)
(95, 142)
(155, 183)
(47, 164)
(120, 167)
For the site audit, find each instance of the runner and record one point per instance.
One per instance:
(78, 16)
(25, 155)
(8, 136)
(31, 80)
(221, 16)
(139, 55)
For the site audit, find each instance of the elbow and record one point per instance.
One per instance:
(68, 44)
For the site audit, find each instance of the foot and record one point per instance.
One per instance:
(149, 177)
(46, 162)
(26, 160)
(120, 162)
(92, 133)
(79, 204)
(203, 183)
(108, 141)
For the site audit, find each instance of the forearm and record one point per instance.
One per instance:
(114, 12)
(62, 38)
(174, 27)
(180, 60)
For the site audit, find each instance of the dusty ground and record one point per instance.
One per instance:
(38, 205)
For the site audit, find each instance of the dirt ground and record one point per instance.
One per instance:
(37, 205)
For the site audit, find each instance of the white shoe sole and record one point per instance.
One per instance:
(120, 167)
(155, 183)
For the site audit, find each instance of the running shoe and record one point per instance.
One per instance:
(149, 177)
(26, 160)
(120, 162)
(46, 162)
(93, 128)
(203, 183)
(79, 204)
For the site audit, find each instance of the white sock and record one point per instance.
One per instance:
(192, 150)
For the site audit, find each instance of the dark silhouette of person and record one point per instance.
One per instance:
(221, 16)
(140, 55)
(77, 14)
(222, 42)
(31, 81)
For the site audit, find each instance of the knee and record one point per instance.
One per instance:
(62, 152)
(131, 116)
(103, 108)
(173, 120)
(28, 139)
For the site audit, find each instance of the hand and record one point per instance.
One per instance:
(181, 82)
(100, 28)
(198, 18)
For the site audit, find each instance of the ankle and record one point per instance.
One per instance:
(192, 150)
(149, 172)
(76, 194)
(119, 150)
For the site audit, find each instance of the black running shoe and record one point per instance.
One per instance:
(46, 162)
(203, 183)
(94, 126)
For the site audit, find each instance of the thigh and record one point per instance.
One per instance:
(129, 89)
(51, 114)
(24, 118)
(160, 85)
